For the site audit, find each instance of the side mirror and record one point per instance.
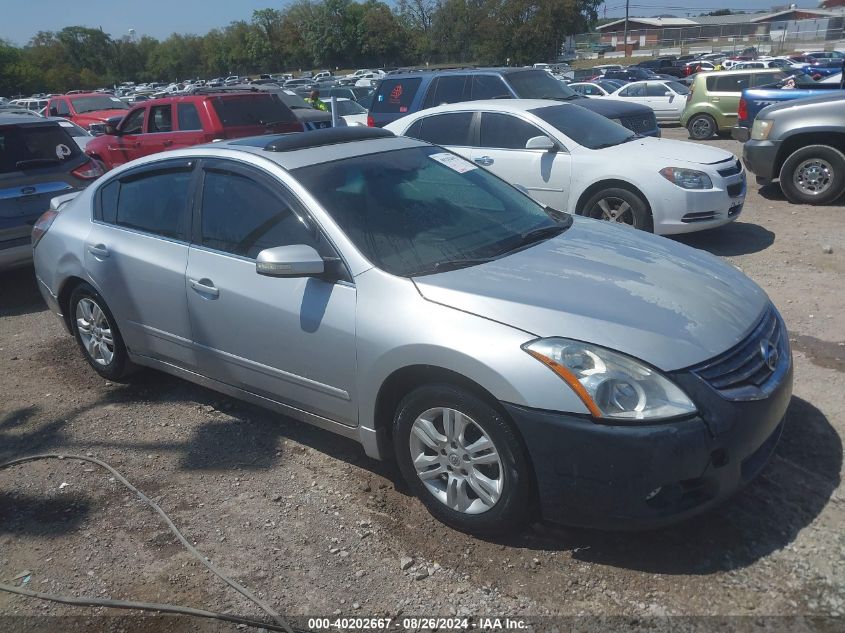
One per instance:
(111, 130)
(541, 142)
(298, 260)
(54, 111)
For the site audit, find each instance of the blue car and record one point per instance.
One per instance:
(794, 87)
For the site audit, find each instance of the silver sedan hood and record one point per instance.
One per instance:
(668, 304)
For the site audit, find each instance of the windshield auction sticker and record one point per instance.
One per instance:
(453, 162)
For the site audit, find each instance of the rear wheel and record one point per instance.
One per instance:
(619, 206)
(813, 175)
(464, 460)
(701, 127)
(97, 334)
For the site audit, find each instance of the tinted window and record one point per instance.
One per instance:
(538, 84)
(763, 79)
(108, 202)
(251, 110)
(160, 119)
(410, 214)
(92, 104)
(446, 89)
(657, 90)
(414, 130)
(189, 118)
(134, 122)
(679, 88)
(61, 107)
(506, 131)
(446, 129)
(31, 147)
(583, 126)
(396, 95)
(489, 87)
(243, 217)
(637, 90)
(728, 83)
(155, 202)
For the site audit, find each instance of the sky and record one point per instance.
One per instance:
(21, 19)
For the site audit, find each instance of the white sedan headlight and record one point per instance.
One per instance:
(687, 178)
(610, 384)
(761, 129)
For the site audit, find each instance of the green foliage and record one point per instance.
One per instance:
(304, 34)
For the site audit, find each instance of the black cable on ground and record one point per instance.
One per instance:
(280, 625)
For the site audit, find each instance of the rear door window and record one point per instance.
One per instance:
(446, 129)
(188, 117)
(156, 201)
(447, 89)
(763, 79)
(25, 147)
(252, 110)
(396, 95)
(504, 131)
(489, 87)
(637, 90)
(728, 83)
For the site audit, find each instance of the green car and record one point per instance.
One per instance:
(713, 100)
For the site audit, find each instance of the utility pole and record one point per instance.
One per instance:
(625, 40)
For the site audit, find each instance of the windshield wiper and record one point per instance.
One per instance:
(455, 264)
(543, 233)
(33, 162)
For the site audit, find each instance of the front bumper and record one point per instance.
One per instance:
(741, 134)
(636, 477)
(690, 210)
(760, 158)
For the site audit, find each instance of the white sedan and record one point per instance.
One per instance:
(666, 98)
(577, 161)
(349, 110)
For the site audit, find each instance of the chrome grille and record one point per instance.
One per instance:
(748, 371)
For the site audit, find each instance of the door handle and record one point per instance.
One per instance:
(136, 144)
(168, 143)
(484, 161)
(205, 287)
(98, 250)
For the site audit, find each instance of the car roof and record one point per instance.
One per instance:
(437, 72)
(17, 119)
(497, 105)
(294, 150)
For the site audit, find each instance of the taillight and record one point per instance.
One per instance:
(89, 170)
(371, 122)
(742, 111)
(41, 226)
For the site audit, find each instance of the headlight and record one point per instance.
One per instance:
(611, 385)
(687, 178)
(761, 129)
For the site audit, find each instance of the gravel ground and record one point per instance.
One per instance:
(306, 520)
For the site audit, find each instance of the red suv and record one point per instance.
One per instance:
(87, 108)
(176, 122)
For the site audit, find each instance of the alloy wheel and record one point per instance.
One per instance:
(813, 176)
(614, 209)
(456, 460)
(95, 331)
(701, 128)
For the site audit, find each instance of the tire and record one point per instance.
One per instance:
(702, 127)
(620, 206)
(507, 497)
(91, 323)
(813, 175)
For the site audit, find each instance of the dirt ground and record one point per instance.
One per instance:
(310, 523)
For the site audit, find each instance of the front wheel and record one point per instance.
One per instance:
(464, 460)
(619, 206)
(813, 175)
